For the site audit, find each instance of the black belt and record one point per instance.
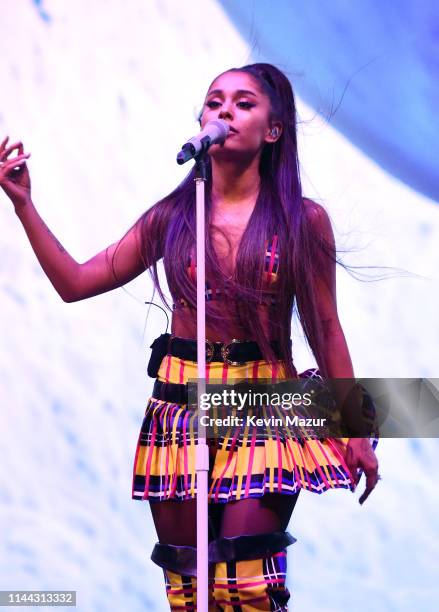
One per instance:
(235, 352)
(170, 392)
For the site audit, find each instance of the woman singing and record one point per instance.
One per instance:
(268, 250)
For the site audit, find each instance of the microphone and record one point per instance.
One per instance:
(214, 132)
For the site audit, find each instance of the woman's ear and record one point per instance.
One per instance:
(274, 133)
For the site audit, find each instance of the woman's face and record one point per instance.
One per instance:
(237, 98)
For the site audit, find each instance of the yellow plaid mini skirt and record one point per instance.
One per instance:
(243, 464)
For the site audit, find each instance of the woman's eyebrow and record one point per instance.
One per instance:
(239, 92)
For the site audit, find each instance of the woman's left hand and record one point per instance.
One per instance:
(359, 454)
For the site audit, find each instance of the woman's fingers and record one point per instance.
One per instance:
(4, 154)
(352, 466)
(19, 164)
(370, 468)
(13, 162)
(361, 457)
(19, 160)
(3, 144)
(14, 159)
(372, 478)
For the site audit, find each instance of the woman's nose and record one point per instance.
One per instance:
(224, 112)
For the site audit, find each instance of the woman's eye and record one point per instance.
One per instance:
(245, 105)
(242, 104)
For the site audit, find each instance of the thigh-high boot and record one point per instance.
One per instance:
(250, 572)
(179, 564)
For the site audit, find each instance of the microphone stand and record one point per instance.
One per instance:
(202, 450)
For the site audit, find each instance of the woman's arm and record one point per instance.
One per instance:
(335, 351)
(73, 281)
(335, 355)
(359, 453)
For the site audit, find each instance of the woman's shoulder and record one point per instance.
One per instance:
(315, 212)
(318, 218)
(313, 209)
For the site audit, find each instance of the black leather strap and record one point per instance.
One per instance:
(183, 559)
(178, 559)
(247, 547)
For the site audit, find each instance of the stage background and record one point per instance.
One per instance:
(103, 94)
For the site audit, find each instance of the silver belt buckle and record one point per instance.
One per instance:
(210, 350)
(225, 349)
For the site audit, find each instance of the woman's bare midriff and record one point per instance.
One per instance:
(184, 325)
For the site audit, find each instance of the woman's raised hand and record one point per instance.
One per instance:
(14, 175)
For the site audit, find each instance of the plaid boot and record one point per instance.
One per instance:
(250, 572)
(179, 564)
